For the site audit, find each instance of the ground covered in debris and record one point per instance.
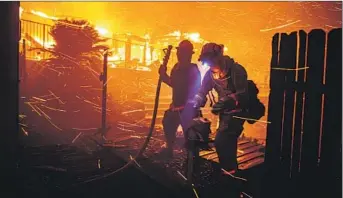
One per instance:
(63, 170)
(81, 169)
(127, 142)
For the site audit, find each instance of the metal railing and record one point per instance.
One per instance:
(36, 35)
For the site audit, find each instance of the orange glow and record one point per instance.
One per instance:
(194, 37)
(175, 33)
(112, 65)
(21, 11)
(244, 28)
(142, 68)
(102, 31)
(42, 14)
(113, 58)
(147, 36)
(47, 44)
(38, 58)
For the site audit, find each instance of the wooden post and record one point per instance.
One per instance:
(115, 43)
(9, 86)
(24, 69)
(127, 51)
(331, 146)
(275, 106)
(275, 114)
(151, 52)
(144, 53)
(44, 42)
(312, 111)
(288, 60)
(104, 96)
(297, 131)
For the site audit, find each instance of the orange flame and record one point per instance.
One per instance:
(41, 14)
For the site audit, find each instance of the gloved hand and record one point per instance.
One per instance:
(225, 103)
(197, 102)
(162, 70)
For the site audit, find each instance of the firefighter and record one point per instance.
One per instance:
(185, 81)
(229, 80)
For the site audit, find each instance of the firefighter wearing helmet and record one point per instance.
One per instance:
(229, 79)
(185, 81)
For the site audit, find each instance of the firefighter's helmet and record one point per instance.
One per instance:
(211, 51)
(186, 45)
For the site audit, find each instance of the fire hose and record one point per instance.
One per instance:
(152, 125)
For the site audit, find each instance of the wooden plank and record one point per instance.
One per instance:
(204, 153)
(243, 141)
(274, 108)
(288, 60)
(313, 100)
(302, 40)
(215, 160)
(251, 163)
(256, 148)
(247, 145)
(331, 154)
(249, 156)
(212, 156)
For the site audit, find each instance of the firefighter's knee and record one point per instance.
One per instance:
(219, 141)
(167, 119)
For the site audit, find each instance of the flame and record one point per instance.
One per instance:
(112, 65)
(195, 37)
(42, 14)
(38, 57)
(176, 33)
(47, 44)
(113, 58)
(142, 68)
(102, 31)
(147, 36)
(20, 11)
(148, 54)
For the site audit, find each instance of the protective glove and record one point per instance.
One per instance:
(225, 103)
(198, 102)
(162, 70)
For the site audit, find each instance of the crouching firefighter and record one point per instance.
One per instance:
(229, 80)
(185, 81)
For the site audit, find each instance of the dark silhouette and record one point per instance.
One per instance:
(185, 80)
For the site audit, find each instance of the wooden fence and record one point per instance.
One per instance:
(304, 141)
